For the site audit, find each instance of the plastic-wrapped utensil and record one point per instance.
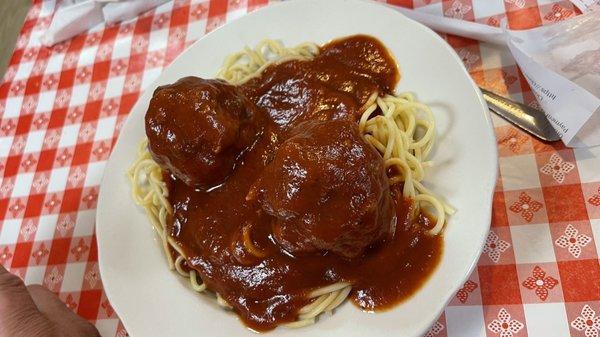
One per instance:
(561, 62)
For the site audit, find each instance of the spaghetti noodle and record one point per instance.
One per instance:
(399, 127)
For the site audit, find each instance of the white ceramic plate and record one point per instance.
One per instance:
(153, 301)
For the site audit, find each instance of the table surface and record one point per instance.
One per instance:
(62, 109)
(12, 14)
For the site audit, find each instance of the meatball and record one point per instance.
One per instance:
(327, 190)
(198, 129)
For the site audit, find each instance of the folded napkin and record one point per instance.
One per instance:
(75, 17)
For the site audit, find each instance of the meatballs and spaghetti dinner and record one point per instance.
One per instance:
(293, 182)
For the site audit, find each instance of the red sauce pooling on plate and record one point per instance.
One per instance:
(279, 161)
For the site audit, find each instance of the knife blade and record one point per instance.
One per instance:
(531, 120)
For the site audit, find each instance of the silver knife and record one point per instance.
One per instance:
(527, 118)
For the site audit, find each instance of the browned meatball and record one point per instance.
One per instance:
(198, 129)
(327, 190)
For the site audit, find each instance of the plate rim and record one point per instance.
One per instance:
(487, 199)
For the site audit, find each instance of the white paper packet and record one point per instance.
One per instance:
(561, 62)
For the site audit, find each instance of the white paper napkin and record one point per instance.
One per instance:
(75, 17)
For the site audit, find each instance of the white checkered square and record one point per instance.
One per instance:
(73, 277)
(22, 186)
(539, 324)
(465, 321)
(12, 107)
(10, 231)
(105, 128)
(68, 137)
(35, 38)
(35, 140)
(158, 39)
(149, 76)
(588, 163)
(532, 243)
(84, 226)
(485, 8)
(45, 101)
(94, 173)
(79, 94)
(114, 87)
(34, 275)
(87, 56)
(122, 48)
(5, 144)
(519, 172)
(46, 227)
(58, 179)
(55, 63)
(24, 70)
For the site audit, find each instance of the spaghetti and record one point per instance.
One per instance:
(399, 127)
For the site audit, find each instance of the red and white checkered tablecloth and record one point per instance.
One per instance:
(62, 108)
